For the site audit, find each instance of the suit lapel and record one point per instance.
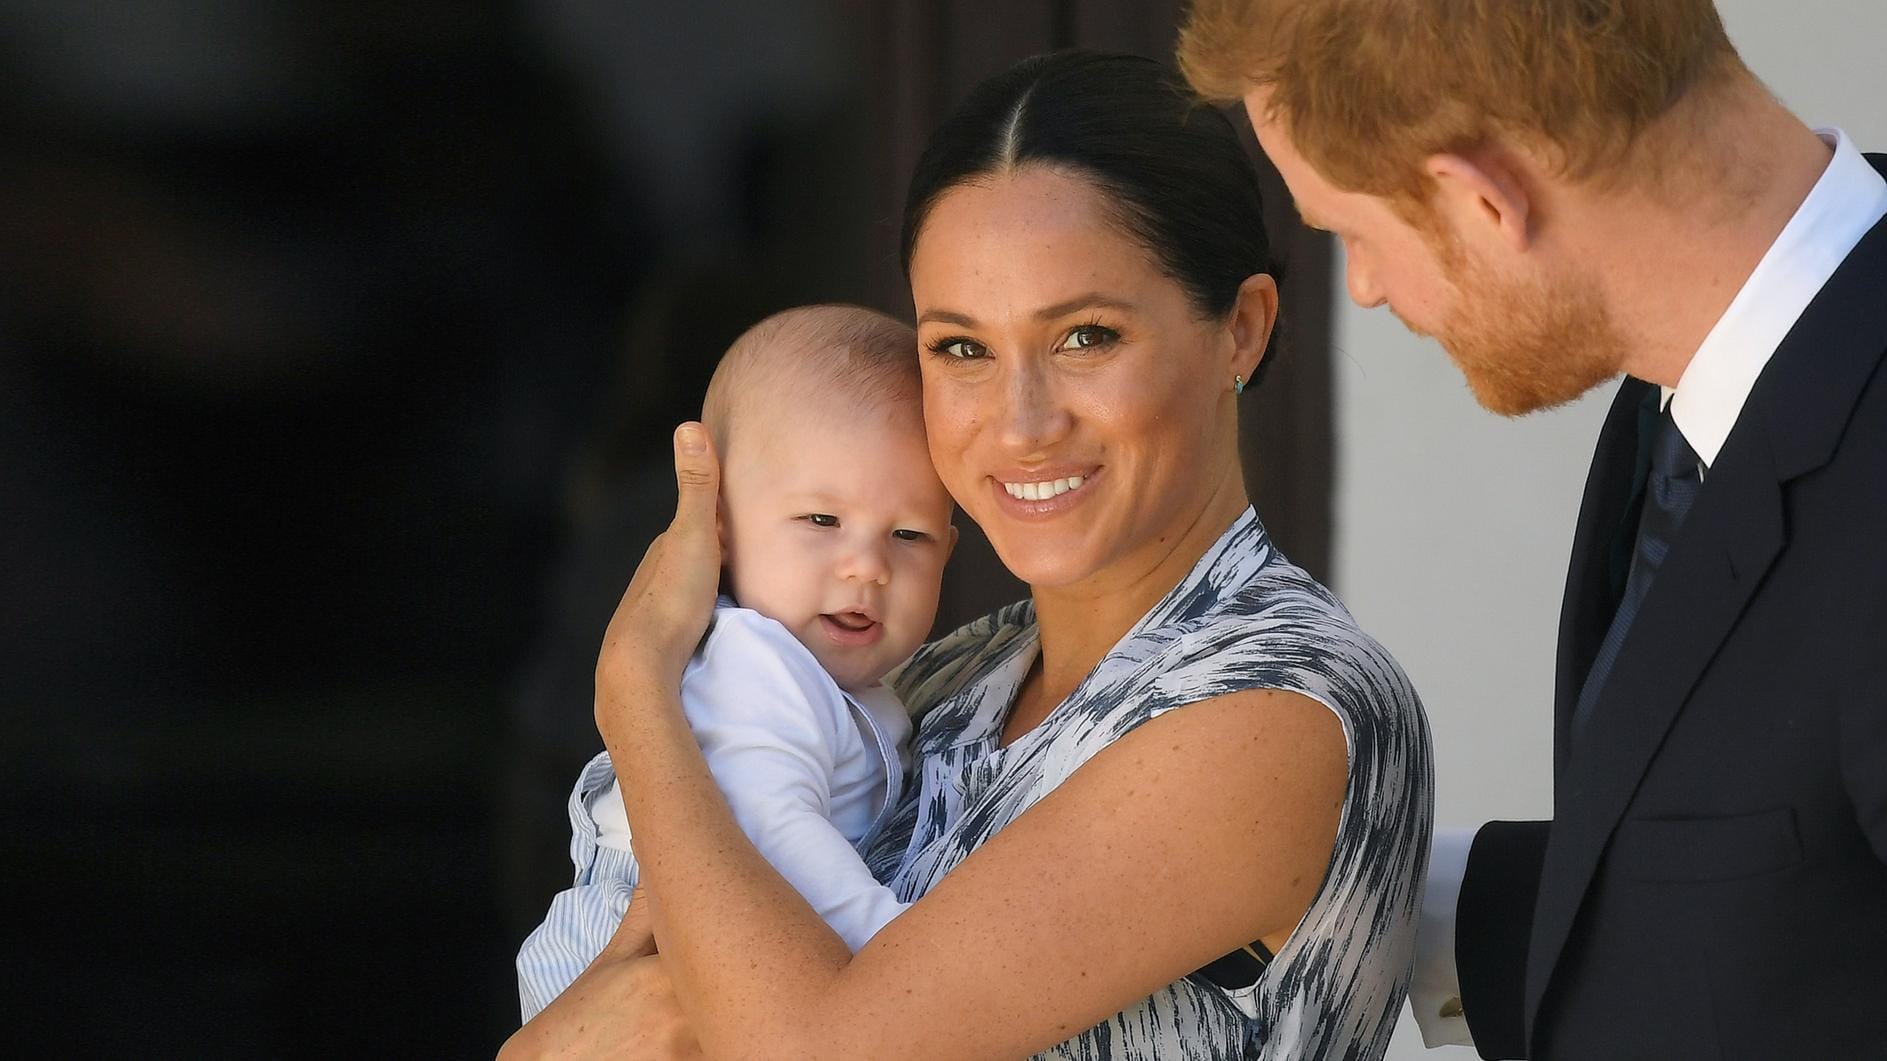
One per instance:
(1731, 536)
(1791, 424)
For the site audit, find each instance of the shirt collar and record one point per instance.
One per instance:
(1845, 203)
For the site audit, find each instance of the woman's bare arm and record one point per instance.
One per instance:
(1201, 830)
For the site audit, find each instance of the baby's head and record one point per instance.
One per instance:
(833, 521)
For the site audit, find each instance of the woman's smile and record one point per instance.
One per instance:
(1040, 496)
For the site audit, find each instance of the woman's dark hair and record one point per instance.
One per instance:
(1173, 167)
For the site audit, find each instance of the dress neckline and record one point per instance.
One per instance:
(1227, 564)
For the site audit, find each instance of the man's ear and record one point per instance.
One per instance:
(1254, 315)
(1484, 193)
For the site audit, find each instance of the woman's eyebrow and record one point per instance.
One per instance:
(945, 316)
(1091, 300)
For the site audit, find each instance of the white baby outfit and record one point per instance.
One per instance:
(810, 771)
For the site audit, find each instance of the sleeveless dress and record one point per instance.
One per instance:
(1243, 618)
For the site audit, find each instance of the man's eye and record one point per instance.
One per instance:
(910, 535)
(820, 519)
(959, 349)
(1088, 337)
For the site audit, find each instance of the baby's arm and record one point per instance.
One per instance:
(773, 727)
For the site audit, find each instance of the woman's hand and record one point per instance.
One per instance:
(623, 1006)
(665, 610)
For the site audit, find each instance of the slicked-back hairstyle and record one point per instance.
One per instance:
(1369, 89)
(808, 352)
(1177, 177)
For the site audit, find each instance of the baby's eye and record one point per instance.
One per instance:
(959, 349)
(820, 519)
(905, 535)
(1088, 336)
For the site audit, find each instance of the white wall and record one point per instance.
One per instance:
(1453, 525)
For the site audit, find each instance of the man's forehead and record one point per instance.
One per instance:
(1291, 166)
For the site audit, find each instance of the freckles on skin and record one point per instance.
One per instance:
(1012, 268)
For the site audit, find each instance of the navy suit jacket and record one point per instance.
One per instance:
(1714, 881)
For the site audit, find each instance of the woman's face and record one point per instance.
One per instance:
(1078, 407)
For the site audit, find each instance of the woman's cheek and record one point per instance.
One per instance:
(950, 426)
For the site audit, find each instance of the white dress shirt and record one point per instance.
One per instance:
(1846, 202)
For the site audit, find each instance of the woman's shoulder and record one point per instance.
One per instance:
(1279, 629)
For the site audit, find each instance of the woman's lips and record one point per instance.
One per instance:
(851, 629)
(1040, 496)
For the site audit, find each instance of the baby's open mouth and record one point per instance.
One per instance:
(851, 629)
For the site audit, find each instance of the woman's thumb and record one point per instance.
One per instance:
(697, 477)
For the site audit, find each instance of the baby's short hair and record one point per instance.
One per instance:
(806, 351)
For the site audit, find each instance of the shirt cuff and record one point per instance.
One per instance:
(1435, 990)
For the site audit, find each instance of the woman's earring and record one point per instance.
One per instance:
(1238, 384)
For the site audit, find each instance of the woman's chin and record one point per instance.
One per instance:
(1044, 566)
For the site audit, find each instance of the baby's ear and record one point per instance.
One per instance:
(950, 542)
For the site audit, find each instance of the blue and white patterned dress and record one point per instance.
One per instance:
(1243, 618)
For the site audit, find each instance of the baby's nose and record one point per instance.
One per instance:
(865, 562)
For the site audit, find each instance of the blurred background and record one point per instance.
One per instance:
(340, 344)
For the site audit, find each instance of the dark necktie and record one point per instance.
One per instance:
(1670, 487)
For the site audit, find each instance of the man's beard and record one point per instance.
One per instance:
(1525, 346)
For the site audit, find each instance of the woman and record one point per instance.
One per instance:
(1179, 756)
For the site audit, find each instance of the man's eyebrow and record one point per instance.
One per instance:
(1091, 300)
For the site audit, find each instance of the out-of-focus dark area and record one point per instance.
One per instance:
(340, 344)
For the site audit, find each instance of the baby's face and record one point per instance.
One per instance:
(836, 526)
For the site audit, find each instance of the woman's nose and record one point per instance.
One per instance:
(865, 561)
(1032, 418)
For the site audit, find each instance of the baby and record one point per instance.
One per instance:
(834, 530)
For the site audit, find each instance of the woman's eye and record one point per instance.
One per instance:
(959, 349)
(910, 535)
(820, 519)
(1088, 336)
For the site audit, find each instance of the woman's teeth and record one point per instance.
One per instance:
(1044, 490)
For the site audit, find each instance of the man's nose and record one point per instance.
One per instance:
(1364, 290)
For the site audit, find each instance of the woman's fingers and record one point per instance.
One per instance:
(620, 1008)
(666, 608)
(697, 477)
(691, 546)
(635, 936)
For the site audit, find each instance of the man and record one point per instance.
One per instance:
(1560, 191)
